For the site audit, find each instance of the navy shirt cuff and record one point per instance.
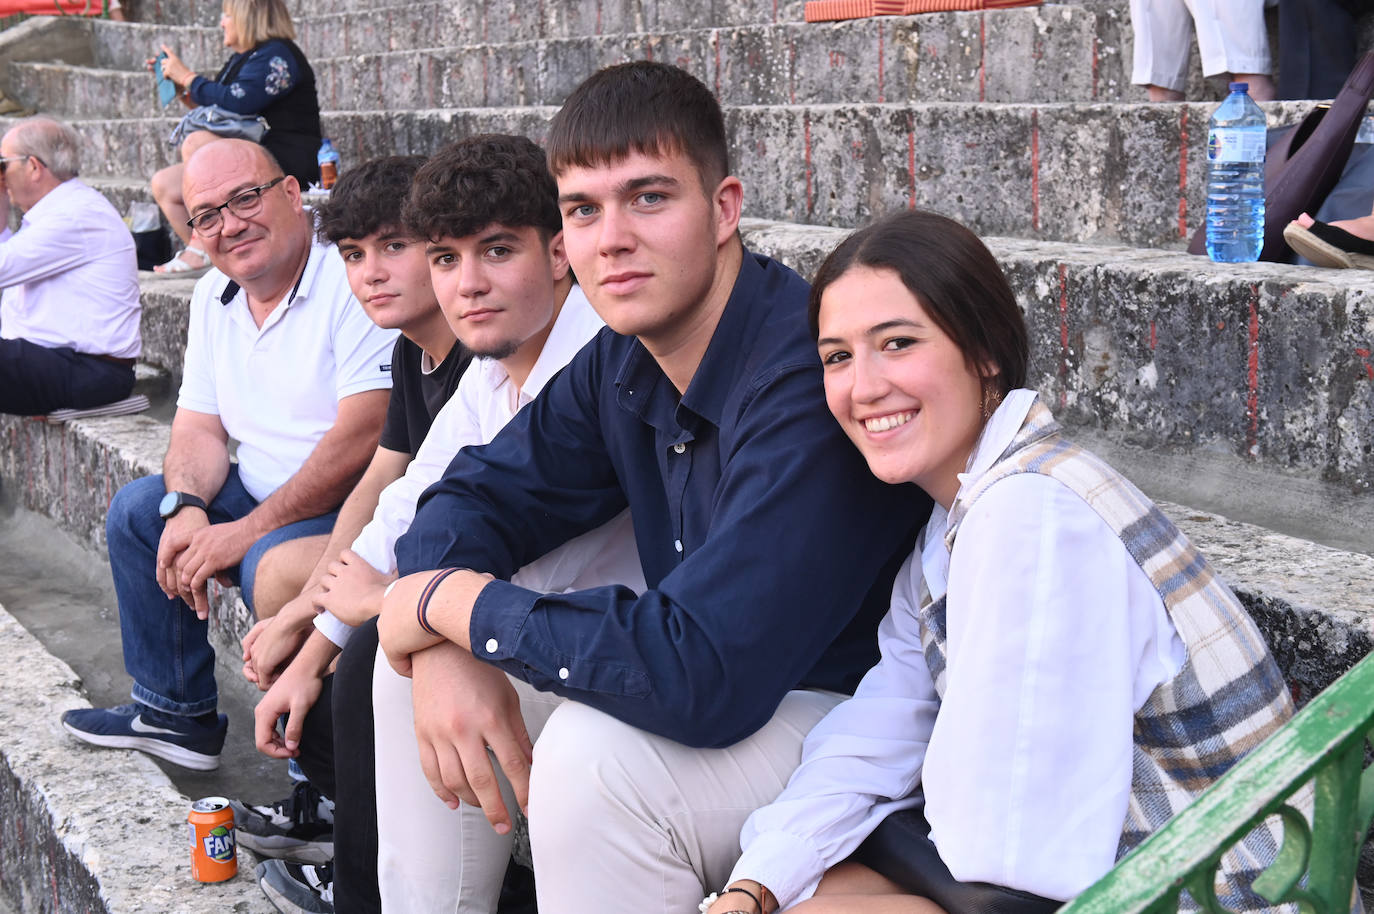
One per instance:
(498, 616)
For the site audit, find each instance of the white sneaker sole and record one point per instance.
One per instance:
(177, 755)
(282, 847)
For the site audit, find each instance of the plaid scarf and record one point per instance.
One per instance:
(1227, 697)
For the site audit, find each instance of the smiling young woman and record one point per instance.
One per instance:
(1061, 671)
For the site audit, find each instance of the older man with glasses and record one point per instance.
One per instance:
(281, 359)
(69, 309)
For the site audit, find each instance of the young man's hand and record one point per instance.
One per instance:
(273, 641)
(293, 694)
(351, 589)
(462, 707)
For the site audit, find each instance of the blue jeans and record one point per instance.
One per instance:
(166, 648)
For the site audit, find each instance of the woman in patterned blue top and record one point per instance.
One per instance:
(268, 76)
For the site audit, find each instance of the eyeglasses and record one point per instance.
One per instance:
(5, 160)
(245, 203)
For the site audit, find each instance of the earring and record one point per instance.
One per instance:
(991, 400)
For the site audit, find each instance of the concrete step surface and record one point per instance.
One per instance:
(1103, 173)
(1018, 55)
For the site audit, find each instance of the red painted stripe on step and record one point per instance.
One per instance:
(881, 99)
(715, 44)
(1252, 376)
(1183, 173)
(982, 57)
(1035, 169)
(1152, 336)
(1063, 333)
(1096, 43)
(911, 160)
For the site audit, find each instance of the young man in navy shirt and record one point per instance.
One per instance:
(767, 546)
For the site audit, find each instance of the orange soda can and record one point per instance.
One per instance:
(213, 850)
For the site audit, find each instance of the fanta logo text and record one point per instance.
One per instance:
(219, 844)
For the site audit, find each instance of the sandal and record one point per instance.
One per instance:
(181, 267)
(1328, 246)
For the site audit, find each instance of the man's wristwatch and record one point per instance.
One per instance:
(173, 502)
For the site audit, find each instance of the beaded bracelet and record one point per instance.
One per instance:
(422, 607)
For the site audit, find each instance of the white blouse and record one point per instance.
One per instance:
(1055, 638)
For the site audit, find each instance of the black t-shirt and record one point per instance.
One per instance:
(416, 397)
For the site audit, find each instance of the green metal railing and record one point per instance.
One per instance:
(1324, 745)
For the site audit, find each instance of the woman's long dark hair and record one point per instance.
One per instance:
(954, 276)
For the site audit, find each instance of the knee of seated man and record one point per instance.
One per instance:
(583, 759)
(134, 507)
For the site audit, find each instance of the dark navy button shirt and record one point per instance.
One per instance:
(768, 548)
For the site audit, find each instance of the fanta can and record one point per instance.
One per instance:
(213, 852)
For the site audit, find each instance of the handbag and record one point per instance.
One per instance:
(220, 122)
(1304, 164)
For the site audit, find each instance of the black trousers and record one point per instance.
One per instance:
(900, 849)
(337, 755)
(1316, 46)
(35, 380)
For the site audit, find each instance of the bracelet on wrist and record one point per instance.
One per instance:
(422, 607)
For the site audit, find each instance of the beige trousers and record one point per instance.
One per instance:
(620, 819)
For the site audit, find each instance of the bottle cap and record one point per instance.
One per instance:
(1240, 87)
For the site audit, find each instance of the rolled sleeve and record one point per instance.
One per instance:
(334, 628)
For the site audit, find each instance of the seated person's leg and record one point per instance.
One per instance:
(282, 571)
(35, 380)
(618, 813)
(269, 584)
(428, 854)
(166, 649)
(853, 887)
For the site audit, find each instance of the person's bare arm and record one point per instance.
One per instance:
(273, 640)
(323, 481)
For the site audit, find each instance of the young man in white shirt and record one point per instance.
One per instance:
(388, 273)
(488, 207)
(70, 309)
(281, 360)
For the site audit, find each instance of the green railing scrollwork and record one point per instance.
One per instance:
(1322, 746)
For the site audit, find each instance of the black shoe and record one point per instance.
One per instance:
(298, 828)
(297, 888)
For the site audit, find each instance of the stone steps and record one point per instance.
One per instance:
(1101, 173)
(93, 831)
(1013, 55)
(1245, 374)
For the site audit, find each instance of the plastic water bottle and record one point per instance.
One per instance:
(1235, 179)
(328, 158)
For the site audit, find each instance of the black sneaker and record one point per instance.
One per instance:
(180, 740)
(299, 828)
(297, 888)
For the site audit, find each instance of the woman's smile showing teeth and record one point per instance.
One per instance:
(889, 422)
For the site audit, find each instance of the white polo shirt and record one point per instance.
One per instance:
(70, 277)
(277, 388)
(486, 399)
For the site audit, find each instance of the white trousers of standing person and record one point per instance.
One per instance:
(1231, 38)
(615, 812)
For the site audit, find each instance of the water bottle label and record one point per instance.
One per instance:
(1232, 144)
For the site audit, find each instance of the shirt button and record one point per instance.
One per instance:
(677, 544)
(563, 673)
(492, 645)
(679, 448)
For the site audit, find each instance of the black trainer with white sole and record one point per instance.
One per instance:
(299, 828)
(296, 888)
